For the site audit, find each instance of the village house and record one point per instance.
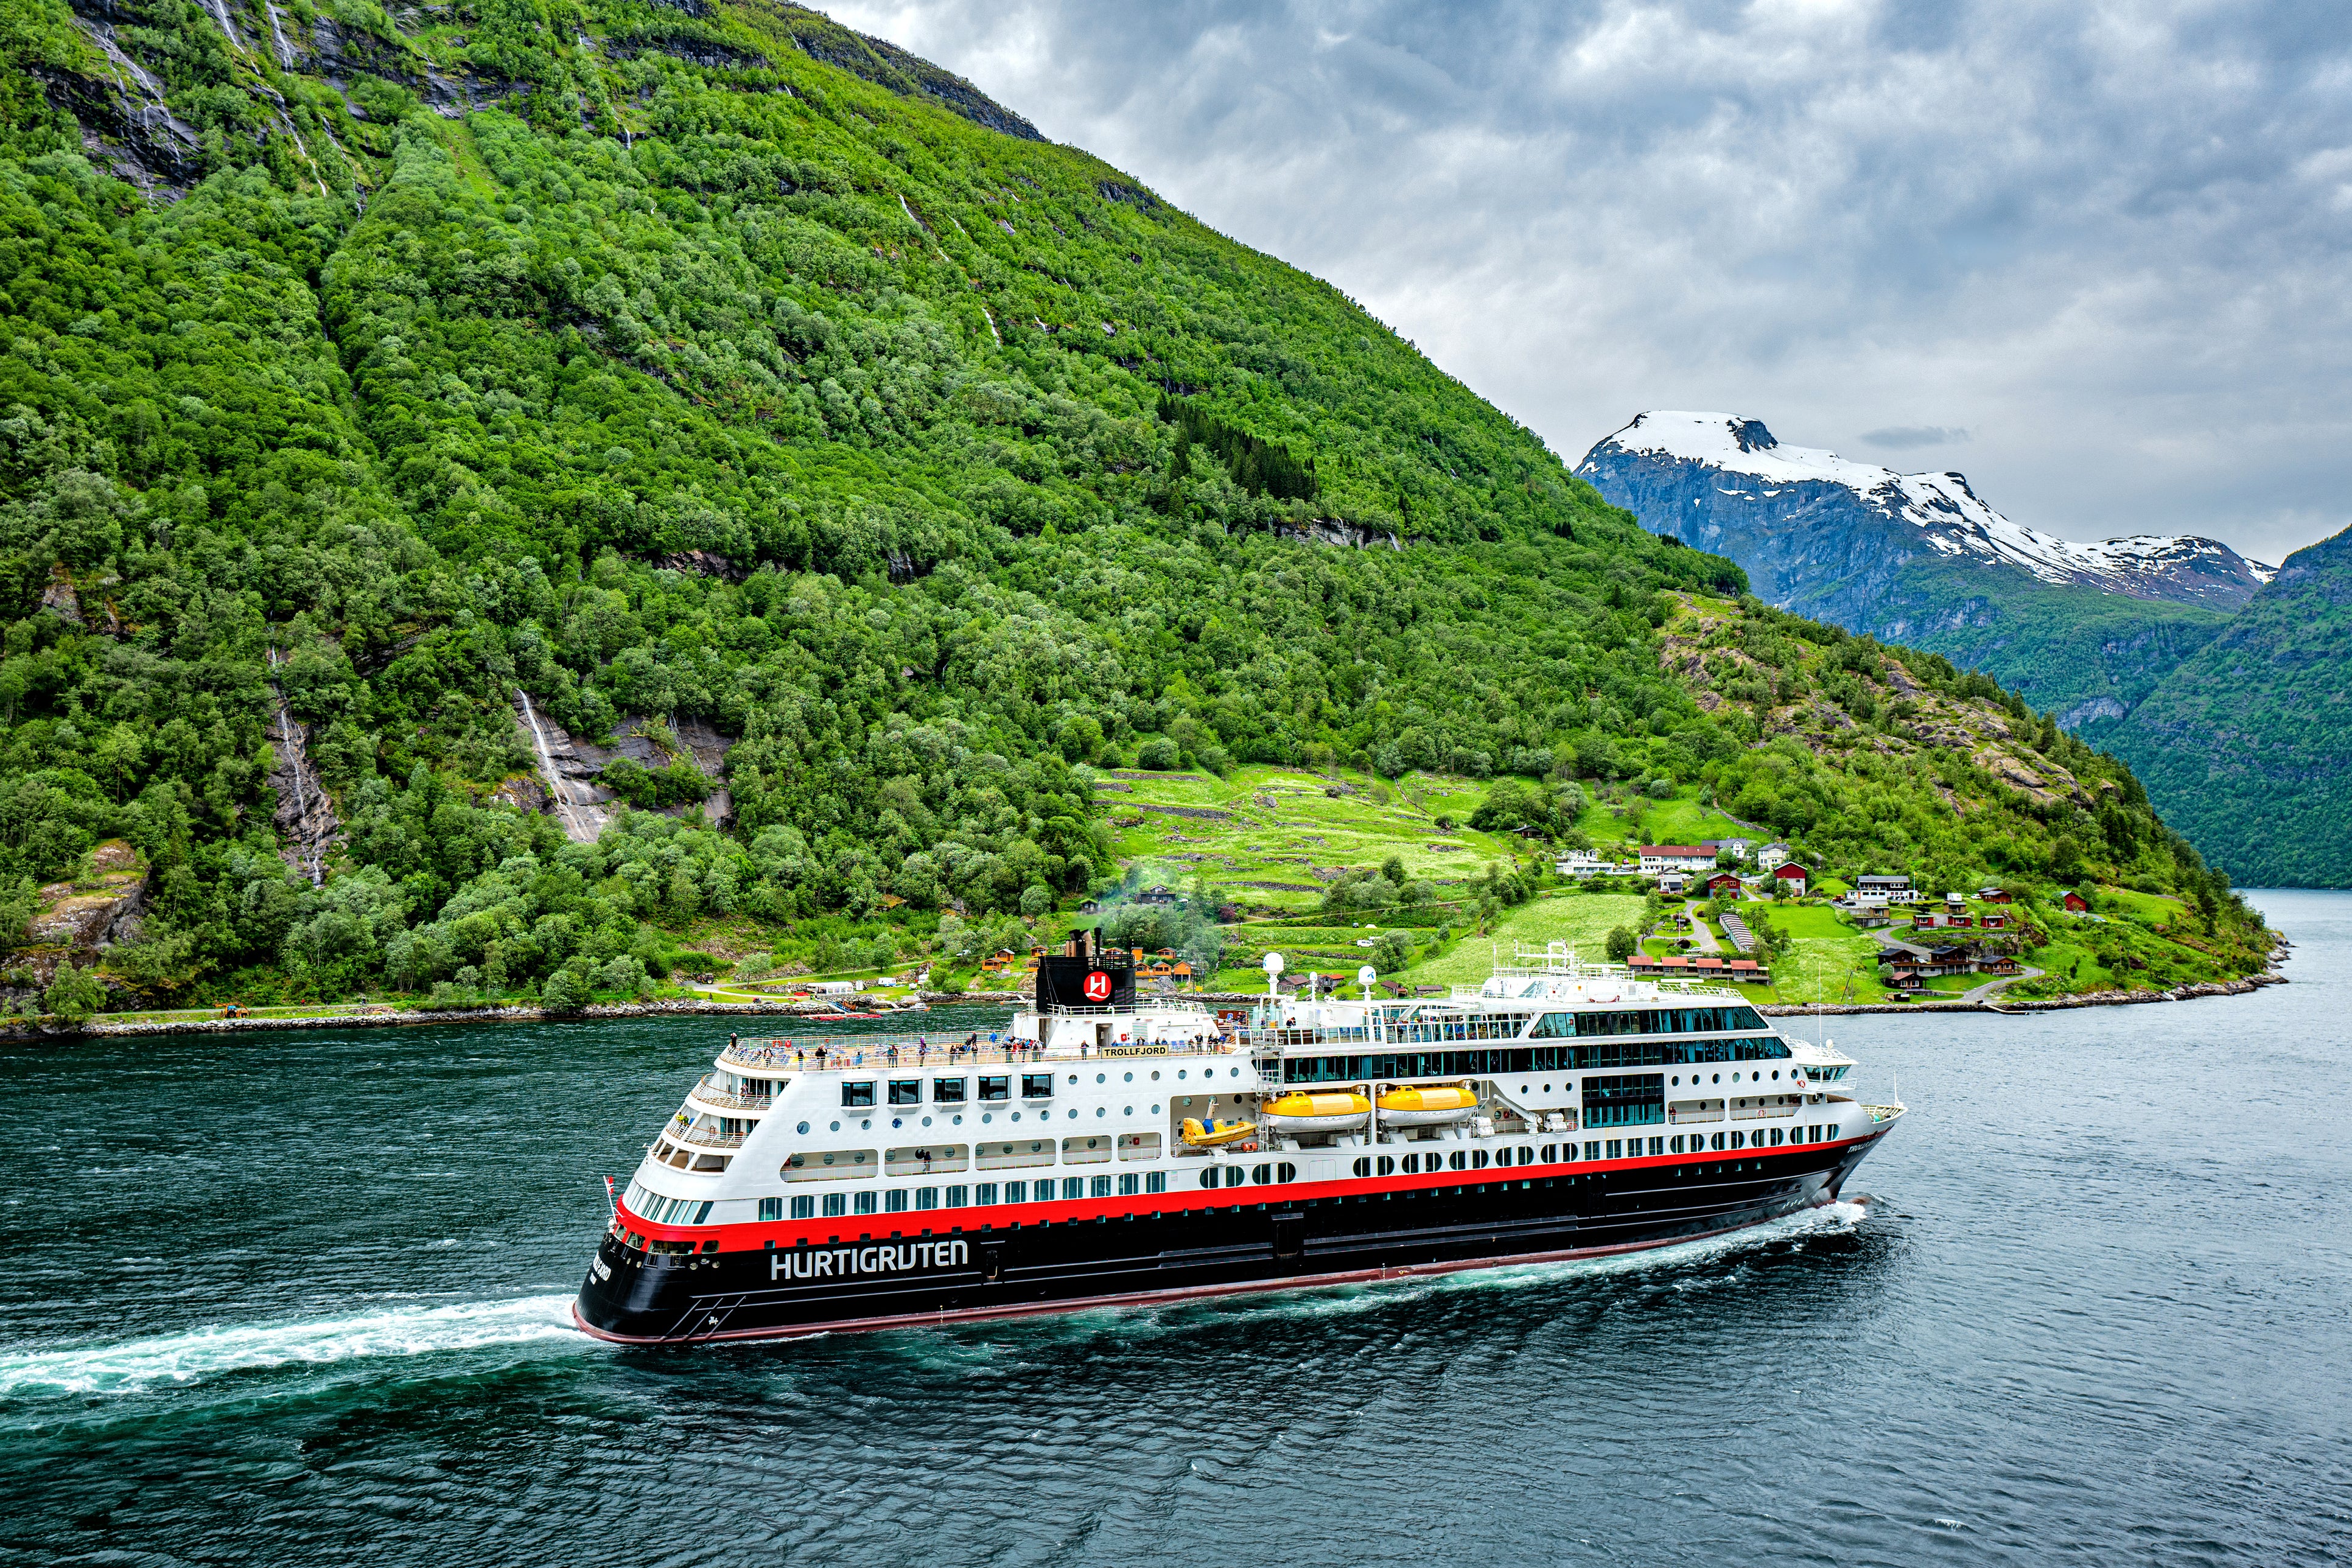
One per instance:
(1992, 895)
(1724, 883)
(1771, 855)
(1793, 876)
(1739, 847)
(1581, 862)
(1683, 966)
(2075, 902)
(1894, 889)
(1660, 859)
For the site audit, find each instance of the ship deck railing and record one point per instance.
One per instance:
(868, 1053)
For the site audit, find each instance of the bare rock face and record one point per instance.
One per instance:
(77, 922)
(568, 767)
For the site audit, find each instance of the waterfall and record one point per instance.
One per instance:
(581, 820)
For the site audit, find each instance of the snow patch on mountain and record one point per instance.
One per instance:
(1951, 518)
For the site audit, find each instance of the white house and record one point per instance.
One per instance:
(1771, 855)
(1581, 862)
(1659, 858)
(1742, 848)
(1896, 889)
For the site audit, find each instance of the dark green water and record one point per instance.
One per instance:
(298, 1300)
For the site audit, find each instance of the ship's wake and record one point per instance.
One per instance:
(133, 1366)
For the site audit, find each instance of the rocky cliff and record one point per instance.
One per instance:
(2081, 629)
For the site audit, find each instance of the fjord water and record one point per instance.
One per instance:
(300, 1299)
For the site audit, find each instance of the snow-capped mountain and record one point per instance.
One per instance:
(1736, 486)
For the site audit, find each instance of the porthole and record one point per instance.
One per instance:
(1776, 1075)
(1099, 1111)
(1073, 1078)
(836, 1127)
(1101, 1078)
(1129, 1079)
(1155, 1077)
(1155, 1111)
(803, 1127)
(1180, 1072)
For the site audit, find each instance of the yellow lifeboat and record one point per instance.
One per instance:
(1216, 1134)
(1428, 1107)
(1303, 1112)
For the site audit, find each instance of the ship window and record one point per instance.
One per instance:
(864, 1204)
(836, 1204)
(1263, 1174)
(1739, 1140)
(1461, 1161)
(906, 1091)
(1385, 1166)
(1017, 1191)
(803, 1208)
(1036, 1085)
(771, 1208)
(1073, 1188)
(1593, 1151)
(859, 1093)
(1155, 1181)
(1209, 1177)
(1099, 1186)
(1616, 1148)
(927, 1197)
(1129, 1184)
(998, 1088)
(1477, 1159)
(1550, 1153)
(947, 1091)
(894, 1200)
(955, 1197)
(984, 1194)
(1716, 1143)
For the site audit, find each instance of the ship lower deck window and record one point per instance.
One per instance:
(1099, 1186)
(955, 1197)
(894, 1200)
(1017, 1191)
(836, 1204)
(1155, 1181)
(1593, 1151)
(771, 1208)
(866, 1202)
(1073, 1187)
(1129, 1184)
(927, 1197)
(804, 1208)
(983, 1194)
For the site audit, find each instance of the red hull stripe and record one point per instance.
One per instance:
(1155, 1298)
(761, 1235)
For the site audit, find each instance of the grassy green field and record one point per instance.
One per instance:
(1580, 920)
(1275, 828)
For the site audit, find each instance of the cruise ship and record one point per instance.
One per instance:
(1109, 1149)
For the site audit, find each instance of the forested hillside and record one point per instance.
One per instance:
(2244, 744)
(367, 371)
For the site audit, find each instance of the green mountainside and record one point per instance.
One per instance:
(413, 421)
(2244, 746)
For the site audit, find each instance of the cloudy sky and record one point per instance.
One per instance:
(2094, 254)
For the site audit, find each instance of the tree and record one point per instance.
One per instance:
(1392, 951)
(563, 994)
(74, 994)
(1621, 944)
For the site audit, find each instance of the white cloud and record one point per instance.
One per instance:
(2106, 240)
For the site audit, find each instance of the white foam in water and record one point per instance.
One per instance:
(132, 1366)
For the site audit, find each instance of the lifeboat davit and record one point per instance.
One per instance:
(1216, 1134)
(1429, 1107)
(1318, 1112)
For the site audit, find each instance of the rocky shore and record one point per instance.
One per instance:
(381, 1016)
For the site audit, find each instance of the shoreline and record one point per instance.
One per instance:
(384, 1017)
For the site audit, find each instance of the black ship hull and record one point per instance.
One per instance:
(878, 1271)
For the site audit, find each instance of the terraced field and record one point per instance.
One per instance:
(1276, 837)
